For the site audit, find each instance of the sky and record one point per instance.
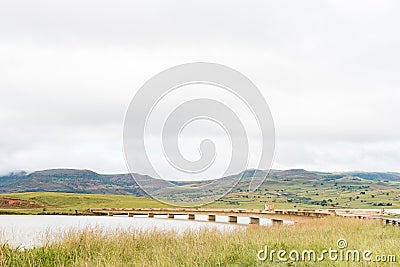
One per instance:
(329, 71)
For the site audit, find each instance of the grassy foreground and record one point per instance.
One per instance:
(209, 247)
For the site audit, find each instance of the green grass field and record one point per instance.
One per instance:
(69, 203)
(347, 192)
(213, 248)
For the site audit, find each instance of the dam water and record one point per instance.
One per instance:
(27, 231)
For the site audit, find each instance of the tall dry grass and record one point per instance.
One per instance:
(208, 247)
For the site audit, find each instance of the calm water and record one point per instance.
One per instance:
(26, 231)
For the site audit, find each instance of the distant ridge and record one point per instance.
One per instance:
(69, 181)
(90, 182)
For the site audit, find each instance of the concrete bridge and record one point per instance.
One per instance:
(254, 215)
(277, 216)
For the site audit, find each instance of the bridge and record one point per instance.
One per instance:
(254, 215)
(277, 216)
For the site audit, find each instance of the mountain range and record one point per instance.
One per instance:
(87, 181)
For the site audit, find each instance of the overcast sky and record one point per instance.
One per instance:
(329, 71)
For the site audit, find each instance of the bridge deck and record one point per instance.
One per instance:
(244, 212)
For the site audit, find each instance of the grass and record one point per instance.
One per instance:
(208, 247)
(347, 192)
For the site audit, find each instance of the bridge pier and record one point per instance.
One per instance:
(191, 216)
(277, 221)
(254, 220)
(150, 215)
(232, 219)
(332, 211)
(211, 217)
(171, 216)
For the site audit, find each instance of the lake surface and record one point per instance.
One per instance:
(26, 231)
(393, 211)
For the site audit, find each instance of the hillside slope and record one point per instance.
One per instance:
(86, 181)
